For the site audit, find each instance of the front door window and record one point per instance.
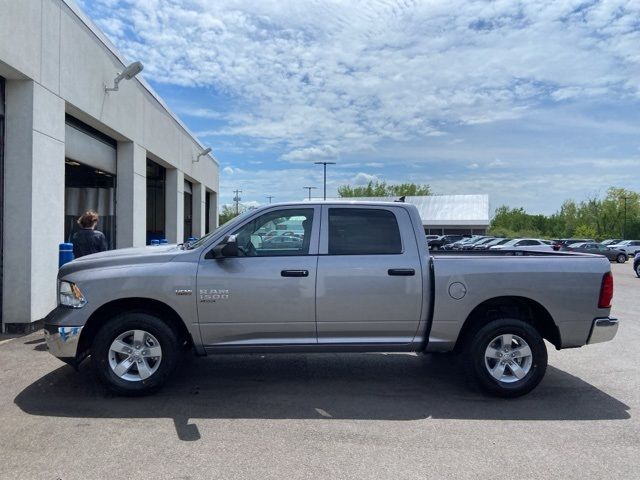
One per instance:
(277, 233)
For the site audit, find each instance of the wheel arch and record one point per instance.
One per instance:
(132, 304)
(522, 308)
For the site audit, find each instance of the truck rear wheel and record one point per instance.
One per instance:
(135, 353)
(507, 357)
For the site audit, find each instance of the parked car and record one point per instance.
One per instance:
(443, 240)
(636, 265)
(598, 249)
(281, 242)
(558, 244)
(472, 246)
(630, 247)
(611, 241)
(491, 243)
(532, 244)
(469, 242)
(365, 281)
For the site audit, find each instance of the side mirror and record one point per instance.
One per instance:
(226, 248)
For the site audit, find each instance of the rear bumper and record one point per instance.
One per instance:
(603, 330)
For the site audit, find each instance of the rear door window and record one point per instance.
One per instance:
(363, 231)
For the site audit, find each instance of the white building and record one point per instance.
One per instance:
(67, 145)
(448, 214)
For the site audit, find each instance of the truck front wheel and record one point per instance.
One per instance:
(135, 353)
(507, 357)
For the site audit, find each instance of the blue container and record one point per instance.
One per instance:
(65, 253)
(191, 239)
(164, 241)
(155, 243)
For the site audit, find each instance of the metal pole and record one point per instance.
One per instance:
(325, 181)
(310, 188)
(324, 164)
(624, 225)
(269, 197)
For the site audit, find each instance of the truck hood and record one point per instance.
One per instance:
(121, 257)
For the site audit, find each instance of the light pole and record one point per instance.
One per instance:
(324, 164)
(269, 197)
(310, 188)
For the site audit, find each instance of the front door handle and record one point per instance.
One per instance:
(401, 272)
(294, 273)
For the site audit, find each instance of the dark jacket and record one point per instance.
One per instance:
(87, 241)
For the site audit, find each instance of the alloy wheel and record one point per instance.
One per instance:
(508, 358)
(135, 355)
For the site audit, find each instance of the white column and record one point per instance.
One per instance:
(34, 200)
(131, 195)
(199, 209)
(213, 211)
(175, 206)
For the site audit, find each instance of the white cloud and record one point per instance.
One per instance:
(352, 74)
(320, 153)
(228, 170)
(364, 178)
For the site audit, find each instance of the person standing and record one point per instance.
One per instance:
(88, 240)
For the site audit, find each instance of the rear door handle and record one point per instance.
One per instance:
(294, 273)
(401, 272)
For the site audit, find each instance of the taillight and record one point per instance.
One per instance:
(606, 291)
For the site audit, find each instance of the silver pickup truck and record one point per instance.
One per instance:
(326, 277)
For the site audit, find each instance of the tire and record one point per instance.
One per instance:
(621, 258)
(638, 270)
(144, 371)
(490, 339)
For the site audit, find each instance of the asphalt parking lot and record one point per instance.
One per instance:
(328, 416)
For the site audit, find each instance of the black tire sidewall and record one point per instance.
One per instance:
(621, 256)
(479, 343)
(134, 321)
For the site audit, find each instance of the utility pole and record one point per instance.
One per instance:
(237, 200)
(269, 197)
(310, 188)
(624, 225)
(324, 164)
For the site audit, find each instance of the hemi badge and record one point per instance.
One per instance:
(184, 292)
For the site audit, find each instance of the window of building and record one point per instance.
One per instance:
(277, 233)
(156, 197)
(363, 231)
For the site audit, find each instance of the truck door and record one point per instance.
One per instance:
(266, 296)
(369, 287)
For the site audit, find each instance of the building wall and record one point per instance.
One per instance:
(56, 62)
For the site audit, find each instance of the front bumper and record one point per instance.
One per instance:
(603, 330)
(62, 341)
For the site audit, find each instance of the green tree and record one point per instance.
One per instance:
(228, 213)
(383, 189)
(585, 231)
(615, 215)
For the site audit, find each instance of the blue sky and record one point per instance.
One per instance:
(529, 102)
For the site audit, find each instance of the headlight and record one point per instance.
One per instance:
(70, 295)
